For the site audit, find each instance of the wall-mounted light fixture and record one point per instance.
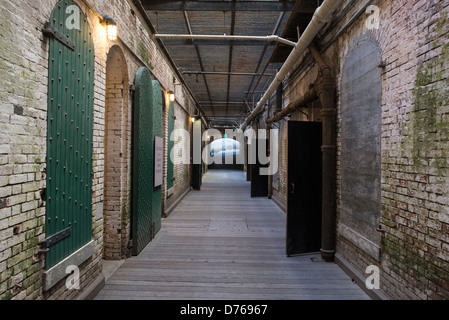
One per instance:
(193, 119)
(172, 96)
(111, 27)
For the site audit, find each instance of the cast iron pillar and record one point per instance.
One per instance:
(326, 94)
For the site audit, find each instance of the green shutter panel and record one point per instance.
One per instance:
(147, 123)
(171, 144)
(70, 132)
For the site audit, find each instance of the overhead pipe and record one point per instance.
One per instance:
(319, 19)
(272, 38)
(302, 102)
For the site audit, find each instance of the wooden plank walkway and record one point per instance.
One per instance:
(221, 244)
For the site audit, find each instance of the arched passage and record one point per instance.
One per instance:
(115, 169)
(225, 153)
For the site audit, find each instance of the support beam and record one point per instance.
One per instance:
(262, 55)
(200, 61)
(231, 51)
(203, 42)
(320, 18)
(272, 38)
(167, 5)
(302, 102)
(326, 93)
(228, 73)
(221, 102)
(284, 31)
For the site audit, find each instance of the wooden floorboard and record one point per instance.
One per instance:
(219, 243)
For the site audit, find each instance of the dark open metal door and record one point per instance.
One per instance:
(70, 131)
(146, 198)
(304, 187)
(197, 170)
(259, 183)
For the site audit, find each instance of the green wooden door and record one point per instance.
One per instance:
(147, 123)
(70, 131)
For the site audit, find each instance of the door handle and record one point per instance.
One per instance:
(292, 190)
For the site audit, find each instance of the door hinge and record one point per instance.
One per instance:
(50, 31)
(57, 237)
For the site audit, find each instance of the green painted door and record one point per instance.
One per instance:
(70, 132)
(147, 124)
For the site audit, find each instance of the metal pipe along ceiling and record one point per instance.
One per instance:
(319, 19)
(272, 38)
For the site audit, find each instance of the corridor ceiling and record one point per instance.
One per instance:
(228, 76)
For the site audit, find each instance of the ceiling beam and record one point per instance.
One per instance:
(221, 102)
(228, 73)
(204, 42)
(271, 38)
(168, 5)
(200, 60)
(294, 11)
(231, 49)
(275, 31)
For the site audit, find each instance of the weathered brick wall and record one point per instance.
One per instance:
(414, 260)
(115, 180)
(413, 37)
(23, 90)
(23, 122)
(181, 172)
(415, 148)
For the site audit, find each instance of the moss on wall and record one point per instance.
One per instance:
(145, 55)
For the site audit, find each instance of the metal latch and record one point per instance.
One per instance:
(380, 229)
(57, 237)
(50, 31)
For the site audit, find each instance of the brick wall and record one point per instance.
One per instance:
(23, 122)
(414, 251)
(181, 173)
(23, 90)
(115, 180)
(415, 147)
(413, 37)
